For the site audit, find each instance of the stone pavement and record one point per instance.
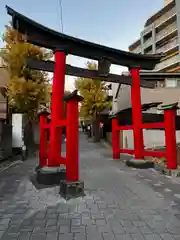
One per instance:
(120, 203)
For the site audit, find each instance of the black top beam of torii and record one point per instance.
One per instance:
(44, 37)
(49, 66)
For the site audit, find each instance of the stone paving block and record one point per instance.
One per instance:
(13, 229)
(10, 237)
(158, 218)
(40, 215)
(51, 215)
(91, 229)
(173, 228)
(131, 229)
(146, 230)
(139, 223)
(152, 237)
(97, 216)
(100, 222)
(102, 205)
(52, 235)
(126, 223)
(4, 221)
(123, 237)
(3, 227)
(166, 236)
(64, 229)
(68, 236)
(78, 236)
(76, 222)
(24, 236)
(87, 221)
(21, 211)
(1, 234)
(79, 229)
(117, 229)
(63, 222)
(94, 237)
(51, 222)
(38, 236)
(176, 237)
(107, 236)
(29, 228)
(137, 236)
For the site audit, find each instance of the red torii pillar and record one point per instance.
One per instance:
(57, 108)
(43, 138)
(72, 186)
(170, 137)
(115, 139)
(137, 114)
(72, 139)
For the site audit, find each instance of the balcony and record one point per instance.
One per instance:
(165, 17)
(167, 63)
(166, 31)
(168, 46)
(149, 52)
(147, 30)
(147, 43)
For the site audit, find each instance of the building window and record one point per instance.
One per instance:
(171, 83)
(178, 83)
(160, 111)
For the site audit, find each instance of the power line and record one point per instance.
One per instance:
(61, 15)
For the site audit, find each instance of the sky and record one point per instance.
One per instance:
(114, 23)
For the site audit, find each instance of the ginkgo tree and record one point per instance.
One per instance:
(95, 94)
(27, 89)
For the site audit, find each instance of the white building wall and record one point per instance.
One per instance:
(115, 104)
(152, 138)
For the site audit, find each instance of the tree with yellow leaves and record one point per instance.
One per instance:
(95, 94)
(27, 89)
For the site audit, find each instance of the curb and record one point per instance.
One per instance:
(139, 164)
(170, 173)
(109, 147)
(11, 165)
(106, 144)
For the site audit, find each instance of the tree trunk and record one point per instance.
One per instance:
(96, 130)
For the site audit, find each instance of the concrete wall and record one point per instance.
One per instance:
(109, 138)
(152, 138)
(36, 133)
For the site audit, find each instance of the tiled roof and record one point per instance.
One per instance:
(164, 95)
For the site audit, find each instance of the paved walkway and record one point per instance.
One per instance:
(120, 203)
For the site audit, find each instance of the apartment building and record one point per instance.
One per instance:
(161, 34)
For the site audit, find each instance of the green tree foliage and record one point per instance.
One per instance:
(95, 94)
(27, 89)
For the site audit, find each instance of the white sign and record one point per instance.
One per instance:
(17, 132)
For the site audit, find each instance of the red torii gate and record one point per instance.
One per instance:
(137, 126)
(62, 45)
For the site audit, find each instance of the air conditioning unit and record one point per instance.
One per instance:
(125, 73)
